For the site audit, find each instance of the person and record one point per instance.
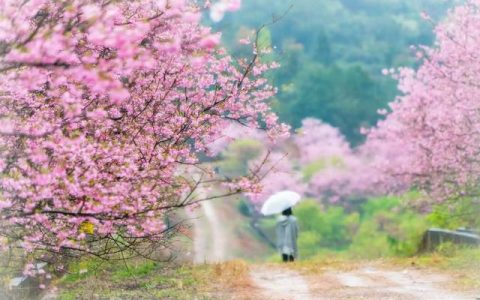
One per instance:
(287, 232)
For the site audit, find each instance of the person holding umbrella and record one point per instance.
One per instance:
(287, 228)
(287, 233)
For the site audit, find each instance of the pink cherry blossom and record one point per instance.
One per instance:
(432, 133)
(108, 104)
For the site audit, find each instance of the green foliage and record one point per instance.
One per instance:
(378, 205)
(369, 242)
(411, 227)
(328, 229)
(244, 208)
(462, 212)
(80, 270)
(335, 231)
(308, 242)
(268, 226)
(345, 97)
(332, 53)
(237, 155)
(447, 249)
(400, 226)
(264, 39)
(381, 227)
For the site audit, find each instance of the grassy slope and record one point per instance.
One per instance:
(243, 242)
(148, 280)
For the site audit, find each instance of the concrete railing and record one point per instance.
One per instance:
(436, 236)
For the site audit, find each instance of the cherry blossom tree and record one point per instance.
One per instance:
(328, 163)
(434, 127)
(363, 173)
(104, 105)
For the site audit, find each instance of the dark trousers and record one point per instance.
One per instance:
(287, 257)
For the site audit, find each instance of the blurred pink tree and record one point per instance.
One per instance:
(332, 169)
(433, 131)
(317, 140)
(362, 174)
(277, 174)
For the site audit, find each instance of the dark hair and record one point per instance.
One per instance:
(287, 212)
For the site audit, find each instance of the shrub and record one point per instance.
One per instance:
(381, 227)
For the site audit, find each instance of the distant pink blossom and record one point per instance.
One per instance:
(245, 41)
(317, 140)
(219, 8)
(210, 41)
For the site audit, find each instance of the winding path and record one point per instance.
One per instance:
(210, 239)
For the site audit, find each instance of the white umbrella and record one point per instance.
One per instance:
(280, 201)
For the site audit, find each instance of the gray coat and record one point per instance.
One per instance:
(287, 233)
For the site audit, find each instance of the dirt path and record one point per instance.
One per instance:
(218, 238)
(277, 283)
(209, 238)
(367, 282)
(199, 236)
(373, 283)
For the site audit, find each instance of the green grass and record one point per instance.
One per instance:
(81, 270)
(138, 269)
(452, 258)
(150, 280)
(137, 280)
(462, 262)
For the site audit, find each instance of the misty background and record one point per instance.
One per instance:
(332, 53)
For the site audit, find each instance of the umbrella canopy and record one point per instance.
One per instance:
(280, 201)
